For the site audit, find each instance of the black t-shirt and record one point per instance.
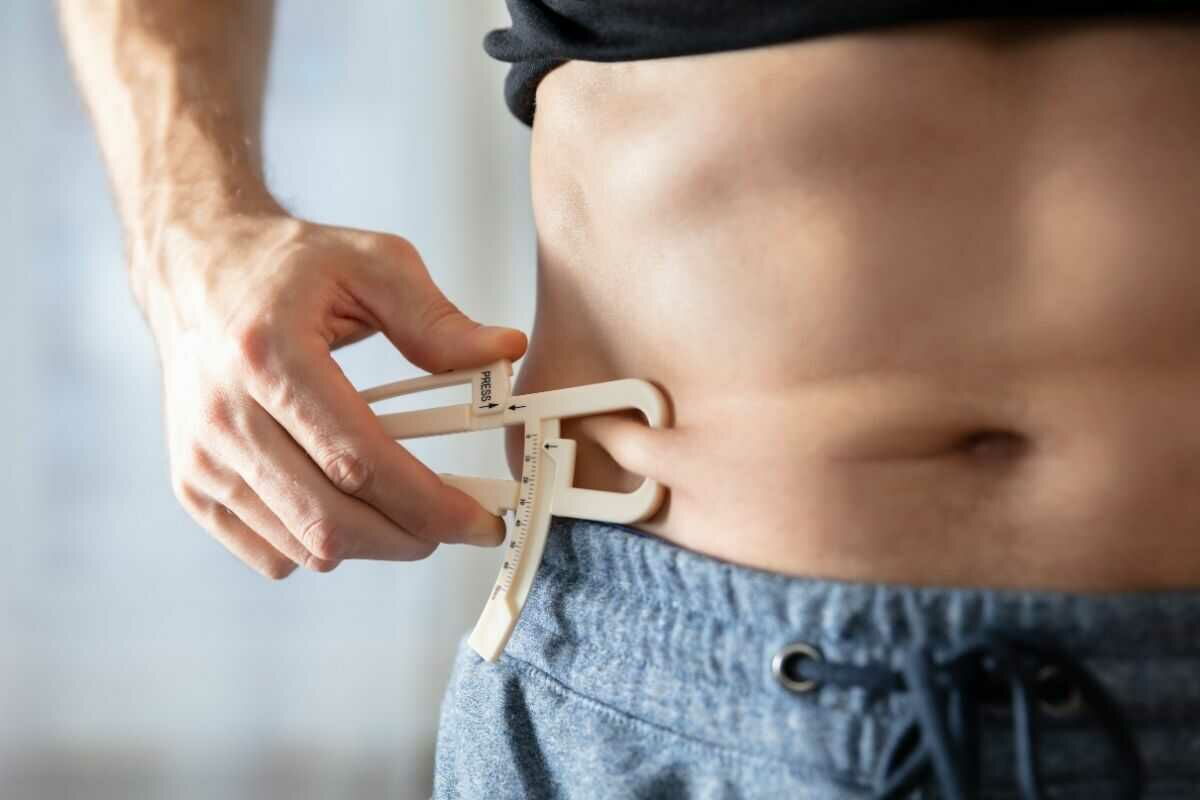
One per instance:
(546, 33)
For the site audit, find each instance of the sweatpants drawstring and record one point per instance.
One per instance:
(937, 743)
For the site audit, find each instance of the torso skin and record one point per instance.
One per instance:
(925, 301)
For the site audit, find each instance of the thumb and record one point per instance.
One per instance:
(448, 339)
(434, 335)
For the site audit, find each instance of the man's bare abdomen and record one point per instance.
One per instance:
(925, 301)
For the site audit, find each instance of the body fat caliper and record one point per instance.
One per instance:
(547, 471)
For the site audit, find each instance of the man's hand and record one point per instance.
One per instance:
(272, 449)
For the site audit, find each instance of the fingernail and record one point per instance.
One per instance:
(490, 534)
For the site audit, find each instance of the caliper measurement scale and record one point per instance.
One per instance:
(523, 517)
(547, 469)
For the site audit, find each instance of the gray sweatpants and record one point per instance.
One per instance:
(641, 670)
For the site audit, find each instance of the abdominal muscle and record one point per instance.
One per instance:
(924, 301)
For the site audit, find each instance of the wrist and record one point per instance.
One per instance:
(181, 264)
(195, 209)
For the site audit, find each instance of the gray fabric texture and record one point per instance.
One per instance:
(641, 670)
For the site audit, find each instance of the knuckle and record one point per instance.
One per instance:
(188, 497)
(229, 413)
(205, 512)
(349, 472)
(281, 393)
(258, 471)
(323, 538)
(217, 412)
(255, 346)
(395, 247)
(320, 564)
(236, 493)
(198, 461)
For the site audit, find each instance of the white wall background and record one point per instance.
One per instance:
(137, 658)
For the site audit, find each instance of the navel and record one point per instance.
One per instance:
(992, 444)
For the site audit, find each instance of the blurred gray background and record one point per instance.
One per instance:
(137, 658)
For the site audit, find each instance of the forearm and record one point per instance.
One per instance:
(175, 90)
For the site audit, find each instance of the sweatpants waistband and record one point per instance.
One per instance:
(686, 643)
